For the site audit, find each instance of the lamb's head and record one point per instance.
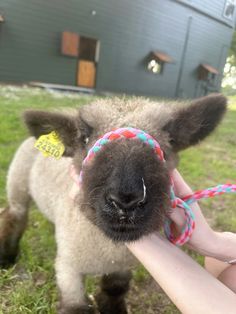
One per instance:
(128, 185)
(125, 185)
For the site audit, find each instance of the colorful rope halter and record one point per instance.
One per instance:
(132, 133)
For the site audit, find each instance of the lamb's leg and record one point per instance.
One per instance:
(113, 289)
(71, 286)
(13, 218)
(11, 230)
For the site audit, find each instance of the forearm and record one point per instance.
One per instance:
(219, 245)
(187, 284)
(224, 247)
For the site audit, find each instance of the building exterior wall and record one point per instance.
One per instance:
(191, 32)
(213, 8)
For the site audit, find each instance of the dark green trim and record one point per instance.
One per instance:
(181, 69)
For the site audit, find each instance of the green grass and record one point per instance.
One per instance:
(29, 287)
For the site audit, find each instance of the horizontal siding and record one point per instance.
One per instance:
(127, 30)
(156, 29)
(214, 8)
(205, 46)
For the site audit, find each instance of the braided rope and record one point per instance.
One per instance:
(188, 200)
(183, 203)
(210, 192)
(130, 133)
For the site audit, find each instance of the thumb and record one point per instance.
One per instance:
(181, 188)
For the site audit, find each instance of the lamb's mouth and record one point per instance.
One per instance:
(123, 232)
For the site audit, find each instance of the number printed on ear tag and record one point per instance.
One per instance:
(50, 145)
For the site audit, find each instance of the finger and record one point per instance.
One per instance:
(180, 186)
(178, 217)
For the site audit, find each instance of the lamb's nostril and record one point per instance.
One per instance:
(127, 201)
(113, 200)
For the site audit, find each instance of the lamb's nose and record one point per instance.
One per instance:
(127, 201)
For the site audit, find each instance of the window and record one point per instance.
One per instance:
(157, 60)
(88, 48)
(229, 9)
(155, 66)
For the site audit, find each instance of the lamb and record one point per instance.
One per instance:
(110, 207)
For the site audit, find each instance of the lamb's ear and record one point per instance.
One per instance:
(72, 130)
(191, 124)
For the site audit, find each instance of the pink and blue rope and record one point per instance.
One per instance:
(184, 203)
(122, 133)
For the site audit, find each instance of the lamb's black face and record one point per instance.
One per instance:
(127, 189)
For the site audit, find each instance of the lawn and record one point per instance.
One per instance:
(29, 286)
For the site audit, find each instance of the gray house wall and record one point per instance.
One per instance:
(213, 8)
(191, 32)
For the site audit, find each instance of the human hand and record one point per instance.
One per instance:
(204, 240)
(203, 237)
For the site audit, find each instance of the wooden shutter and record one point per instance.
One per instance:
(86, 74)
(70, 44)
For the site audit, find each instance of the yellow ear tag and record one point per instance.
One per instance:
(50, 145)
